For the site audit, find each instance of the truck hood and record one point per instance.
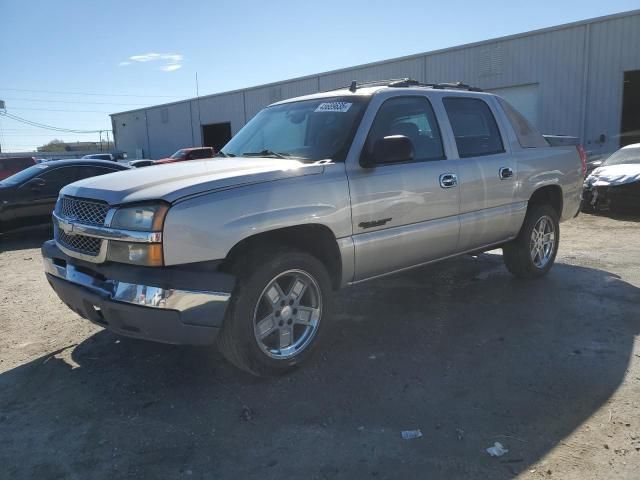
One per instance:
(173, 181)
(614, 175)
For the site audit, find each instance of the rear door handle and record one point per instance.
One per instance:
(448, 180)
(505, 172)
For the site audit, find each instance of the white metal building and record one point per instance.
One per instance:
(580, 79)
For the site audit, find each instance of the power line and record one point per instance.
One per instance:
(40, 134)
(45, 126)
(71, 101)
(58, 110)
(91, 93)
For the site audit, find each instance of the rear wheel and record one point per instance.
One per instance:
(533, 252)
(276, 313)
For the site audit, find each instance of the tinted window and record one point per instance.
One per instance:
(202, 153)
(474, 127)
(528, 136)
(412, 117)
(25, 175)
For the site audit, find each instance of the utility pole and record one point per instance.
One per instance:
(3, 109)
(199, 119)
(107, 139)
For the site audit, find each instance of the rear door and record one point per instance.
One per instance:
(488, 172)
(402, 215)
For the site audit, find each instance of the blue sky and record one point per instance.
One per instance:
(135, 53)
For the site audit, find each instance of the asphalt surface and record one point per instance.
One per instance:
(460, 350)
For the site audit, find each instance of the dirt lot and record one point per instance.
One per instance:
(460, 350)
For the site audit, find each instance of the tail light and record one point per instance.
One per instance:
(583, 158)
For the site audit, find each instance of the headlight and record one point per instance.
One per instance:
(140, 218)
(145, 218)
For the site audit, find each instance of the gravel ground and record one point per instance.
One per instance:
(460, 350)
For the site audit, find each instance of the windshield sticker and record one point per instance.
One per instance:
(334, 107)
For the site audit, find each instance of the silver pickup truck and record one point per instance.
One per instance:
(313, 194)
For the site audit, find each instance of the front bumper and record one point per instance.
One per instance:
(179, 305)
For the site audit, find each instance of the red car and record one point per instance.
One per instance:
(11, 165)
(183, 154)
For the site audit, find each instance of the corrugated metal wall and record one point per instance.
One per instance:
(578, 71)
(614, 48)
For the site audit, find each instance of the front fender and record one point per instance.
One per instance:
(208, 226)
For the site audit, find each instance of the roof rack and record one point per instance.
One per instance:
(408, 82)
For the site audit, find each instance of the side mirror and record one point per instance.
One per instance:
(391, 149)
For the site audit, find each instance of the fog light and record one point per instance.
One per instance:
(148, 254)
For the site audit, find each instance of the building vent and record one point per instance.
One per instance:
(491, 60)
(164, 115)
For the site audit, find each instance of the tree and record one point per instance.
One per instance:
(54, 145)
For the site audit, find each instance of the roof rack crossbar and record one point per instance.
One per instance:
(407, 82)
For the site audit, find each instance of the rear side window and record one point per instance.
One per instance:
(528, 136)
(412, 117)
(201, 153)
(474, 126)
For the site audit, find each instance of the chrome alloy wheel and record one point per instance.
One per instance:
(287, 315)
(543, 239)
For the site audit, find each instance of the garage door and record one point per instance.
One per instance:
(524, 98)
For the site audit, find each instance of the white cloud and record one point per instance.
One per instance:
(171, 68)
(171, 61)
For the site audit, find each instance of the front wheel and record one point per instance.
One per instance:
(276, 313)
(534, 250)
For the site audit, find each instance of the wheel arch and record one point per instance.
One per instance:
(547, 195)
(315, 239)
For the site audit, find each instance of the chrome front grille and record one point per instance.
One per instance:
(83, 211)
(79, 243)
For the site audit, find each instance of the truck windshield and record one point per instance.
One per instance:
(309, 130)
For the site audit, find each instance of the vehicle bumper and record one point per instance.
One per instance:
(178, 305)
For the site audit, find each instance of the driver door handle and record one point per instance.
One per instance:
(448, 180)
(505, 172)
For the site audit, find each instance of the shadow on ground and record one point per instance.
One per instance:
(461, 351)
(25, 239)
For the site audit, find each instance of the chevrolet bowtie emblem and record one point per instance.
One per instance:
(66, 227)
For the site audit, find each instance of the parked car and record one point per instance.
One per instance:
(194, 153)
(145, 162)
(12, 165)
(112, 157)
(313, 194)
(28, 197)
(615, 184)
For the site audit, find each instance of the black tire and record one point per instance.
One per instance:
(517, 253)
(237, 341)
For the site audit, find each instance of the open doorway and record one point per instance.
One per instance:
(630, 124)
(216, 135)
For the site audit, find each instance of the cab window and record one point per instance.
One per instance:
(413, 118)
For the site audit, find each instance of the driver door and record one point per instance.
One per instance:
(404, 214)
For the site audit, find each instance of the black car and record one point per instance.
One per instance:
(28, 197)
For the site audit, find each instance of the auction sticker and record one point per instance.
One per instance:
(334, 107)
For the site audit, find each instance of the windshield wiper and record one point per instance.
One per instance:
(222, 154)
(266, 153)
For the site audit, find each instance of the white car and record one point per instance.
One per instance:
(615, 184)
